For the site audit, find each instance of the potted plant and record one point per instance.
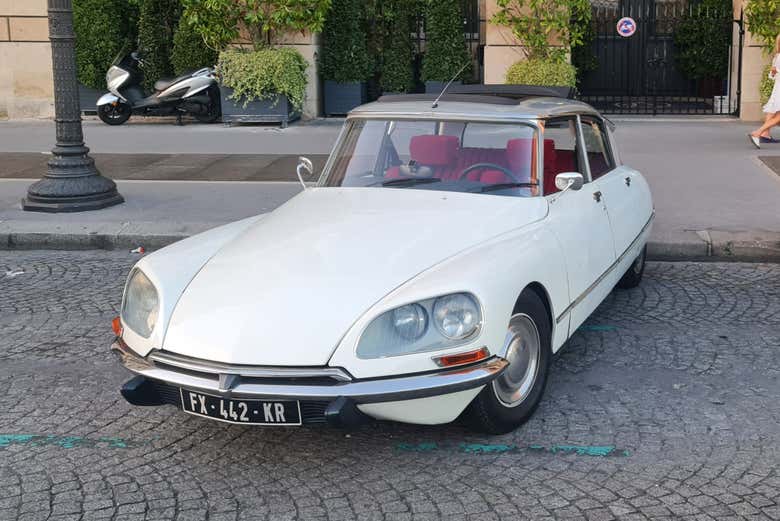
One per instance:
(446, 53)
(262, 83)
(532, 24)
(344, 61)
(263, 86)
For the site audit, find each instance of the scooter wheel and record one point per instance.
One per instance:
(214, 108)
(114, 113)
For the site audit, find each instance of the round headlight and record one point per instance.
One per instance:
(456, 316)
(410, 321)
(141, 305)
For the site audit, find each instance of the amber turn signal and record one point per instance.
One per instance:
(462, 358)
(116, 325)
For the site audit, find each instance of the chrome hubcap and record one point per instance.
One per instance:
(522, 351)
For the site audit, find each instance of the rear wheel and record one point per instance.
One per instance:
(633, 276)
(513, 397)
(114, 113)
(214, 110)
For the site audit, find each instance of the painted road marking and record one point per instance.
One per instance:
(481, 448)
(66, 442)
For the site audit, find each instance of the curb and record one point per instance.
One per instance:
(727, 251)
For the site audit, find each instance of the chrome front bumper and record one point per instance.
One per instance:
(251, 382)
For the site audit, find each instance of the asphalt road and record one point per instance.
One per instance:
(664, 406)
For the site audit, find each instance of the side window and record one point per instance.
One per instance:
(560, 150)
(597, 148)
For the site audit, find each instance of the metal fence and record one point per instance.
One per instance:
(655, 70)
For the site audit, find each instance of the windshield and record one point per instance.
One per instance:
(456, 156)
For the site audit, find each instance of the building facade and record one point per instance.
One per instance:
(26, 79)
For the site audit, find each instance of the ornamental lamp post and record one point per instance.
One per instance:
(72, 183)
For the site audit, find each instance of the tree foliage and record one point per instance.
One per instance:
(763, 20)
(446, 51)
(703, 38)
(103, 28)
(189, 50)
(156, 26)
(344, 56)
(220, 22)
(535, 22)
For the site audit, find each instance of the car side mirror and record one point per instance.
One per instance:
(304, 166)
(569, 181)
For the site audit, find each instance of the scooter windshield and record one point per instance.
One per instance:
(127, 47)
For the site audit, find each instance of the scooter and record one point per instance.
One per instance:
(195, 93)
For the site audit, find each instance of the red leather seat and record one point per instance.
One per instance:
(550, 167)
(440, 153)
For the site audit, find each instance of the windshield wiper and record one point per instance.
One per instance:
(411, 181)
(503, 186)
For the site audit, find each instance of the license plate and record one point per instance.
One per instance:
(246, 412)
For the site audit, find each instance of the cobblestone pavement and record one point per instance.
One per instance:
(664, 406)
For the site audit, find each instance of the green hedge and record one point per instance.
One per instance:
(344, 56)
(189, 50)
(397, 52)
(446, 50)
(542, 72)
(264, 73)
(156, 25)
(102, 28)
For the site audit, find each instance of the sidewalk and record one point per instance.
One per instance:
(713, 196)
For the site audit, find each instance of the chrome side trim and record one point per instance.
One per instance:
(373, 390)
(604, 275)
(249, 371)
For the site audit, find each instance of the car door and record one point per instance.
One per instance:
(624, 190)
(579, 220)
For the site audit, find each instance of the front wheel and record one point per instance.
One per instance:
(114, 113)
(633, 276)
(214, 108)
(512, 398)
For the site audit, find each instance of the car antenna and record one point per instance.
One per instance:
(436, 101)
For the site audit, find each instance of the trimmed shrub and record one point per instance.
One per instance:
(397, 52)
(344, 56)
(446, 51)
(264, 73)
(542, 72)
(156, 24)
(189, 50)
(103, 28)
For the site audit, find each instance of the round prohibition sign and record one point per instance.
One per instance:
(626, 26)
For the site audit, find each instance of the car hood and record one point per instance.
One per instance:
(286, 290)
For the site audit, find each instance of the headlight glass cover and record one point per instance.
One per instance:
(426, 325)
(141, 305)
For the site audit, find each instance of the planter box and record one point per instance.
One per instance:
(340, 98)
(274, 110)
(435, 87)
(88, 99)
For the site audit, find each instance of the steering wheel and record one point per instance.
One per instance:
(491, 166)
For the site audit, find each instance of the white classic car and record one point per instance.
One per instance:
(448, 251)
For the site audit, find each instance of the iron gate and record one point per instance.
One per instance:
(651, 72)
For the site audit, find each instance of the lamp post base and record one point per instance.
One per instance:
(72, 184)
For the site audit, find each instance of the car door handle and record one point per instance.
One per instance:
(628, 181)
(597, 196)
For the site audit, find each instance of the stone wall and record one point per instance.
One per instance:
(754, 59)
(26, 89)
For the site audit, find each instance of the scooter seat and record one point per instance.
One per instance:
(164, 83)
